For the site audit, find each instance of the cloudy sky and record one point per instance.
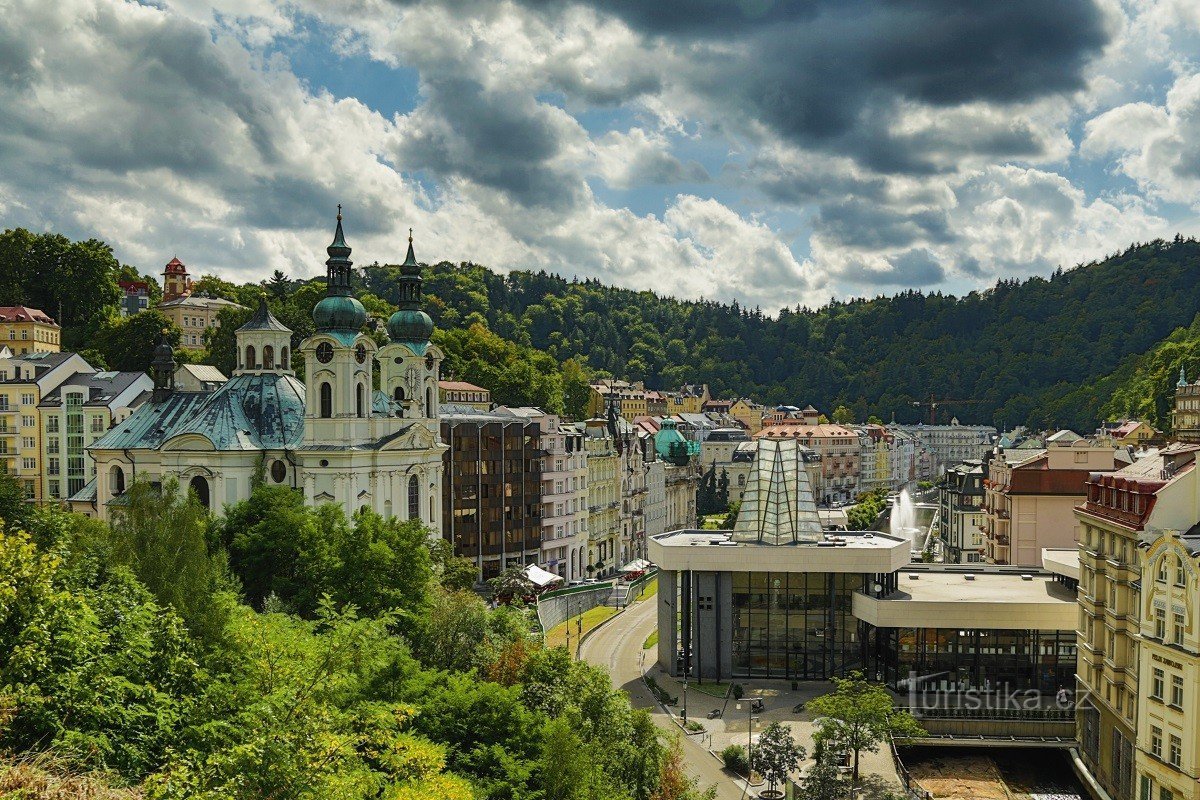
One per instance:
(773, 151)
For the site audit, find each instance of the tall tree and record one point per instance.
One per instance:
(859, 715)
(127, 343)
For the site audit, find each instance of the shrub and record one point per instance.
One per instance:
(735, 759)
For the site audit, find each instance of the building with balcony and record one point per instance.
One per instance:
(1030, 497)
(461, 393)
(960, 500)
(29, 330)
(603, 498)
(564, 493)
(25, 380)
(135, 297)
(492, 500)
(77, 413)
(1119, 514)
(950, 444)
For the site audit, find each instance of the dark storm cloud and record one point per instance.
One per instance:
(915, 268)
(502, 140)
(866, 224)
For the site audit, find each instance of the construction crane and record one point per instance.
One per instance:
(933, 402)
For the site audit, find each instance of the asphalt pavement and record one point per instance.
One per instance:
(617, 646)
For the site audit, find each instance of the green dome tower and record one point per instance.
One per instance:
(409, 324)
(339, 310)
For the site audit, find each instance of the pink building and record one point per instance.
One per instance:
(1030, 498)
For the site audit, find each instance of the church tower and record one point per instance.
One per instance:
(409, 364)
(263, 344)
(338, 358)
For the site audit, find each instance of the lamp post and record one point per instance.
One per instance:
(749, 736)
(685, 676)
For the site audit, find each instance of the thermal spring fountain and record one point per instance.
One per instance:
(902, 521)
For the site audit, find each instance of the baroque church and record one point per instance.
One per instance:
(331, 436)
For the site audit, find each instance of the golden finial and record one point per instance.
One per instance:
(339, 216)
(410, 235)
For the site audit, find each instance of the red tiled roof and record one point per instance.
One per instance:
(175, 265)
(24, 314)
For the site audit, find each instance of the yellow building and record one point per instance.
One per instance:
(28, 330)
(1131, 432)
(630, 399)
(1169, 665)
(690, 399)
(749, 413)
(192, 313)
(24, 381)
(1116, 610)
(603, 498)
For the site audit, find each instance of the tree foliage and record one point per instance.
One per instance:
(858, 715)
(776, 754)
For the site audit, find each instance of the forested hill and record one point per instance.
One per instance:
(1031, 352)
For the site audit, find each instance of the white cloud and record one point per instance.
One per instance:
(1156, 145)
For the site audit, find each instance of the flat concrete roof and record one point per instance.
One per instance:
(1061, 561)
(713, 551)
(986, 601)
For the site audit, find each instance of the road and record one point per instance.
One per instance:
(618, 648)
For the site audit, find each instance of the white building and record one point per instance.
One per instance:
(330, 437)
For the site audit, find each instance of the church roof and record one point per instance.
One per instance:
(149, 426)
(264, 320)
(253, 411)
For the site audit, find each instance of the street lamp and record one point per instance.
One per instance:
(685, 674)
(749, 735)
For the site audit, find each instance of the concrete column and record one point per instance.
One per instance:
(667, 644)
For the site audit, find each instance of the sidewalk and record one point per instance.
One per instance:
(779, 700)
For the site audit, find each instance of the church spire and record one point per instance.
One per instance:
(410, 323)
(339, 310)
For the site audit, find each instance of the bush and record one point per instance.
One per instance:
(738, 691)
(693, 726)
(735, 759)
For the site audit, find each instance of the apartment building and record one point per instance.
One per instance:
(564, 494)
(960, 498)
(604, 499)
(75, 414)
(492, 487)
(838, 447)
(24, 381)
(950, 444)
(192, 313)
(1121, 512)
(1030, 498)
(461, 393)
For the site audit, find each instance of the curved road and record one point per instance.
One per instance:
(618, 648)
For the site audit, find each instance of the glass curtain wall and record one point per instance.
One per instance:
(795, 625)
(948, 659)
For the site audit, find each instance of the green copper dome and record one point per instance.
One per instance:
(339, 312)
(410, 325)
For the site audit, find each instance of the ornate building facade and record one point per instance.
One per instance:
(330, 437)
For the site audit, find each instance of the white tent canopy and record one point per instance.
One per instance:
(539, 576)
(636, 566)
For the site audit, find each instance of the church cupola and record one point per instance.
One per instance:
(263, 343)
(162, 369)
(409, 324)
(339, 310)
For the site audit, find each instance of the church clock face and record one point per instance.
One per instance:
(360, 353)
(429, 362)
(324, 352)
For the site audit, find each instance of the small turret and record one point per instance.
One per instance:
(162, 369)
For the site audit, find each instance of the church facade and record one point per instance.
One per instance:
(332, 436)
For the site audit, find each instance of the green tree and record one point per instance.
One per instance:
(859, 715)
(843, 416)
(511, 584)
(776, 755)
(453, 572)
(220, 341)
(127, 343)
(874, 420)
(161, 536)
(278, 285)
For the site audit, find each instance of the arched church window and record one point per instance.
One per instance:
(359, 404)
(326, 400)
(283, 358)
(429, 402)
(398, 394)
(117, 480)
(199, 487)
(249, 356)
(414, 498)
(268, 357)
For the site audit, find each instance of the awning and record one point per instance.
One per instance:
(539, 576)
(636, 566)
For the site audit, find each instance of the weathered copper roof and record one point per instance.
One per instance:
(264, 320)
(150, 425)
(253, 411)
